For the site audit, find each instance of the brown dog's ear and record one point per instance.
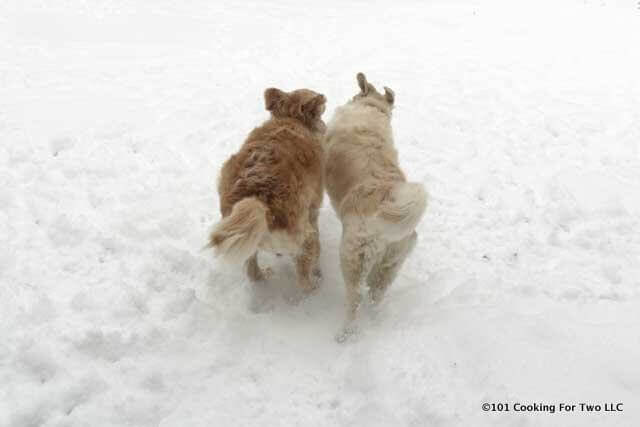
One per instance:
(389, 95)
(362, 82)
(312, 108)
(273, 97)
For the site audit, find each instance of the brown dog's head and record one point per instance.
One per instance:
(369, 95)
(304, 105)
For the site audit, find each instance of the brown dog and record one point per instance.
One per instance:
(271, 190)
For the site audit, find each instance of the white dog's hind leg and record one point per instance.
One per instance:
(357, 256)
(385, 271)
(307, 261)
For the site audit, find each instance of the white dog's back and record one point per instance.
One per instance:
(362, 173)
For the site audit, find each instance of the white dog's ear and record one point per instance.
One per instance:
(273, 97)
(389, 95)
(362, 82)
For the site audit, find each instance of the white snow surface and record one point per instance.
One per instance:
(522, 119)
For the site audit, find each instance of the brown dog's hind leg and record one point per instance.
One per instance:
(254, 272)
(307, 262)
(313, 219)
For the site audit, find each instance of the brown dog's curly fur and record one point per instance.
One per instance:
(277, 175)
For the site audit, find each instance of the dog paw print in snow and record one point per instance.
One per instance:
(60, 144)
(110, 346)
(154, 383)
(180, 304)
(37, 364)
(612, 273)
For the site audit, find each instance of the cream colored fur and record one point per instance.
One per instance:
(242, 232)
(379, 210)
(400, 215)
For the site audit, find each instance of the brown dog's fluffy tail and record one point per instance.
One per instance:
(399, 215)
(236, 237)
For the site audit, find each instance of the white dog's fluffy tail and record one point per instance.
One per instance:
(399, 215)
(236, 237)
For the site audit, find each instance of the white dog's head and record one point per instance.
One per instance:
(370, 96)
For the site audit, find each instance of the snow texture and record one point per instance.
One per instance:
(522, 119)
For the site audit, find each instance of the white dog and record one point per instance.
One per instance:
(378, 208)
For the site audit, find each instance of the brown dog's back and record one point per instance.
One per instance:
(280, 164)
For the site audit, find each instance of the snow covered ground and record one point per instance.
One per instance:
(521, 118)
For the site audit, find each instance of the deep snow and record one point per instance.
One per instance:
(521, 118)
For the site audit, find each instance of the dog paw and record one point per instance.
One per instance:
(302, 293)
(261, 275)
(309, 286)
(267, 273)
(316, 280)
(375, 296)
(347, 333)
(296, 299)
